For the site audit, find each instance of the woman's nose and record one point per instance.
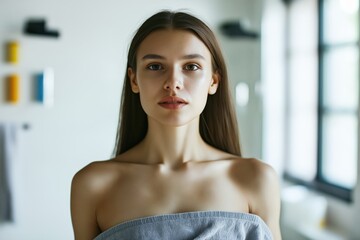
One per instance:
(174, 81)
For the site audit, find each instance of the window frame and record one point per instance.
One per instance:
(319, 183)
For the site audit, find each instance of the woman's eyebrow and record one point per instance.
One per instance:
(152, 56)
(188, 56)
(192, 56)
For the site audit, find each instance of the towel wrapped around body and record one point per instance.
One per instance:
(191, 225)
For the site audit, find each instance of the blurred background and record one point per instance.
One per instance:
(293, 66)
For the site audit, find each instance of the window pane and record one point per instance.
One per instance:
(302, 147)
(340, 21)
(302, 90)
(303, 85)
(341, 78)
(303, 25)
(340, 149)
(302, 109)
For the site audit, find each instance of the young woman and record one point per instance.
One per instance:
(178, 171)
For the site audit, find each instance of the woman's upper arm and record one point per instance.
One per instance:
(266, 201)
(83, 206)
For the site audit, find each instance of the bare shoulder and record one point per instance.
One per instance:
(256, 177)
(88, 187)
(91, 183)
(98, 177)
(95, 175)
(260, 183)
(251, 170)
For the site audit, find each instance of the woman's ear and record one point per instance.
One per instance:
(214, 83)
(133, 82)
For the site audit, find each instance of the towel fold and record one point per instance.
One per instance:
(8, 148)
(204, 225)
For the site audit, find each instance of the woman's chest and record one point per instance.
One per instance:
(152, 194)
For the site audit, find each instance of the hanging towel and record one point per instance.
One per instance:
(8, 147)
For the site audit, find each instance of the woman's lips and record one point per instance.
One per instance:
(172, 102)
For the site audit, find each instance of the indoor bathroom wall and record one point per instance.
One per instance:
(87, 63)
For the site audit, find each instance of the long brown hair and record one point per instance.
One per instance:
(218, 125)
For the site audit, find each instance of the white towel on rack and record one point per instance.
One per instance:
(8, 152)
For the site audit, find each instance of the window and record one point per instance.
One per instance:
(323, 94)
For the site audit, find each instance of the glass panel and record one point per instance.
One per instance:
(302, 90)
(302, 145)
(341, 78)
(303, 83)
(303, 25)
(340, 149)
(341, 21)
(302, 110)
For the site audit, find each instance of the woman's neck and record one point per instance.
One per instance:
(173, 146)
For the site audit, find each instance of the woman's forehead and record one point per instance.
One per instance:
(170, 42)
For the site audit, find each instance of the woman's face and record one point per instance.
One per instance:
(173, 77)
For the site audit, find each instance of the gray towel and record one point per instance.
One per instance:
(191, 225)
(7, 153)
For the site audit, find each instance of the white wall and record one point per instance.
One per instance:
(89, 62)
(244, 60)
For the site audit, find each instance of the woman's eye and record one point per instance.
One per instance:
(192, 67)
(154, 67)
